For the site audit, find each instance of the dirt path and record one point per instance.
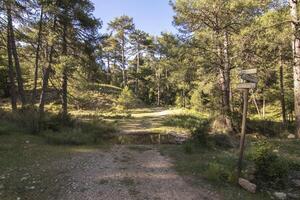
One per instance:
(146, 121)
(125, 172)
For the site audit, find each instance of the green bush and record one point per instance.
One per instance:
(26, 119)
(200, 132)
(270, 170)
(182, 102)
(199, 100)
(68, 137)
(80, 134)
(188, 147)
(126, 99)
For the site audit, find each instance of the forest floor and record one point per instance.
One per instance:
(31, 169)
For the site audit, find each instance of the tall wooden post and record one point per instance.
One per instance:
(249, 81)
(243, 133)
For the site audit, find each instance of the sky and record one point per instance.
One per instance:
(151, 16)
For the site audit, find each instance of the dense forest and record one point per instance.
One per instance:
(56, 60)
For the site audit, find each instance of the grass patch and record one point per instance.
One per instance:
(214, 167)
(81, 134)
(25, 167)
(217, 167)
(186, 120)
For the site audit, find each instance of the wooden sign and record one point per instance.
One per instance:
(250, 78)
(246, 86)
(250, 83)
(248, 71)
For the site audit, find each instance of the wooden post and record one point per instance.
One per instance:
(243, 133)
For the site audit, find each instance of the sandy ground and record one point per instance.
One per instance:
(124, 172)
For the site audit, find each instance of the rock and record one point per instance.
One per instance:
(291, 136)
(295, 174)
(293, 196)
(280, 195)
(296, 182)
(30, 187)
(222, 124)
(250, 187)
(178, 139)
(1, 187)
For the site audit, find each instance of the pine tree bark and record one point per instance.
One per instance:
(296, 53)
(137, 71)
(46, 76)
(226, 75)
(123, 62)
(108, 76)
(158, 88)
(37, 56)
(282, 90)
(65, 77)
(15, 54)
(11, 74)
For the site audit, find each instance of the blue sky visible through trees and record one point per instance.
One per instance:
(152, 16)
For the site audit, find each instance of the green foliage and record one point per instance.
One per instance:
(270, 170)
(269, 128)
(200, 133)
(27, 119)
(3, 82)
(81, 134)
(182, 101)
(126, 99)
(188, 147)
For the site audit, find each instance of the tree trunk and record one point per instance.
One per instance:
(65, 77)
(123, 62)
(256, 105)
(158, 89)
(296, 53)
(15, 54)
(226, 75)
(37, 55)
(46, 76)
(282, 91)
(137, 71)
(108, 76)
(264, 106)
(11, 74)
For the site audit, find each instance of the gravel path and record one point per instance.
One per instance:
(124, 172)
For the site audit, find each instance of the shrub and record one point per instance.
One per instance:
(188, 147)
(26, 118)
(200, 132)
(270, 170)
(199, 100)
(223, 141)
(182, 102)
(68, 137)
(126, 99)
(80, 134)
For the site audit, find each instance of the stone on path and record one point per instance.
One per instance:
(280, 195)
(291, 136)
(247, 185)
